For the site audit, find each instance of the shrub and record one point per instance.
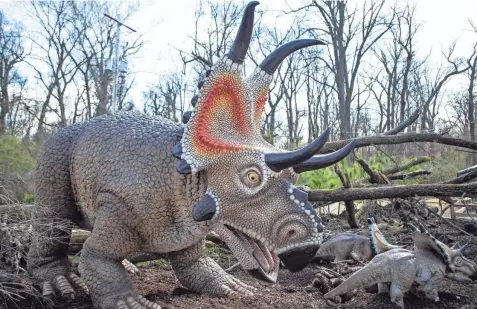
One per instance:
(15, 157)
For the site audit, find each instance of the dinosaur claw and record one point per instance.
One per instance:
(130, 267)
(136, 302)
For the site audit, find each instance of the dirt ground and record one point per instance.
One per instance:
(294, 290)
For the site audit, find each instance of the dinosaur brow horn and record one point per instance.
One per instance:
(318, 162)
(242, 40)
(271, 63)
(278, 161)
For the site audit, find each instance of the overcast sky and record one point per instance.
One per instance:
(166, 23)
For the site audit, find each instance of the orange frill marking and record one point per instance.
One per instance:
(224, 100)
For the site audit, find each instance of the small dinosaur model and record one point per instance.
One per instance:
(430, 261)
(146, 184)
(359, 248)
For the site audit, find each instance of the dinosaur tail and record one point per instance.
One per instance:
(370, 274)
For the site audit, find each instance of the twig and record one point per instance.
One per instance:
(233, 267)
(447, 221)
(467, 211)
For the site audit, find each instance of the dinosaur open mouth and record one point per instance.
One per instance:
(267, 259)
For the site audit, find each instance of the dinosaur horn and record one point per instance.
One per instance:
(278, 161)
(463, 247)
(271, 63)
(240, 46)
(318, 162)
(205, 209)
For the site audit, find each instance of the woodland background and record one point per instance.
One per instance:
(365, 82)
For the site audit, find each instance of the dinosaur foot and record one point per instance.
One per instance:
(135, 302)
(64, 285)
(229, 285)
(130, 267)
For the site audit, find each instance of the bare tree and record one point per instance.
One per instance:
(222, 18)
(167, 98)
(54, 67)
(427, 86)
(472, 63)
(96, 48)
(12, 53)
(347, 31)
(390, 85)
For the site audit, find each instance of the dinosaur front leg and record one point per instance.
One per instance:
(430, 290)
(203, 275)
(101, 264)
(383, 287)
(397, 294)
(398, 289)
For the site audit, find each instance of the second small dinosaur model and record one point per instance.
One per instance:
(431, 260)
(359, 248)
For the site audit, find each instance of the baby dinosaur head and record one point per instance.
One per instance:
(458, 266)
(250, 197)
(379, 244)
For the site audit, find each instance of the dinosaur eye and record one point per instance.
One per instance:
(253, 177)
(458, 261)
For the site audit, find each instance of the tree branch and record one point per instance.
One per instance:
(409, 175)
(406, 123)
(402, 191)
(400, 139)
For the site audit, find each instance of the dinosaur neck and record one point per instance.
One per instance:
(188, 190)
(430, 259)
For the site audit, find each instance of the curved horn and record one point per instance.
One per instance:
(242, 40)
(281, 160)
(325, 160)
(271, 63)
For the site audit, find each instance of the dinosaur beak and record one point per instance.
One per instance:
(261, 275)
(297, 259)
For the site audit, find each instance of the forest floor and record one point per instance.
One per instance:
(156, 280)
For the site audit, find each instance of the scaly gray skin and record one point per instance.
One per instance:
(143, 183)
(401, 268)
(359, 248)
(345, 246)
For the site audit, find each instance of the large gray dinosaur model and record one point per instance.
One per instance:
(431, 260)
(142, 183)
(359, 248)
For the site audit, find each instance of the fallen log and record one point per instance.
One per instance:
(400, 139)
(409, 175)
(462, 177)
(387, 191)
